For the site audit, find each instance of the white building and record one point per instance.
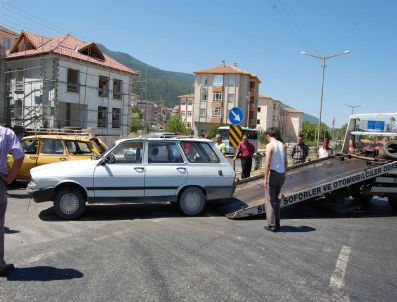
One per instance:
(62, 81)
(291, 123)
(268, 113)
(186, 109)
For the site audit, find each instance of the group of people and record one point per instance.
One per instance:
(300, 151)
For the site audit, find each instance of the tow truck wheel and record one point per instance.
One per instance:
(192, 201)
(69, 203)
(392, 202)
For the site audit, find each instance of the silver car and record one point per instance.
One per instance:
(185, 170)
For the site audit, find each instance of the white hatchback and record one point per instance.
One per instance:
(184, 170)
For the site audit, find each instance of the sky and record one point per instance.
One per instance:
(264, 37)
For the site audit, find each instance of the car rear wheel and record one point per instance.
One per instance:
(69, 203)
(392, 199)
(192, 201)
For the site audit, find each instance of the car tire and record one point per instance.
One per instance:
(392, 199)
(69, 203)
(390, 149)
(192, 201)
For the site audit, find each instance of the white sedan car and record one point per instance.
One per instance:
(184, 170)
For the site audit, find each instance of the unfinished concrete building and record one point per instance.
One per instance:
(61, 81)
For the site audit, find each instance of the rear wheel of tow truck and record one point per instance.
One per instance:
(69, 203)
(392, 199)
(358, 193)
(192, 201)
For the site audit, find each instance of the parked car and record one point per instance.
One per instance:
(51, 148)
(184, 170)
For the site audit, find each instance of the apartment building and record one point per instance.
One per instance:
(186, 109)
(291, 123)
(7, 41)
(63, 81)
(217, 90)
(149, 111)
(268, 113)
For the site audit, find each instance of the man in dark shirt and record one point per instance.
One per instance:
(299, 151)
(247, 150)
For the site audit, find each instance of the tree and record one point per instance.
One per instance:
(136, 119)
(175, 124)
(211, 131)
(309, 131)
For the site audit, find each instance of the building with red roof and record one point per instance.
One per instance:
(62, 81)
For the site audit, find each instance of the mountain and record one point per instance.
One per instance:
(163, 87)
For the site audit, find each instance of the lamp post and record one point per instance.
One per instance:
(323, 59)
(352, 106)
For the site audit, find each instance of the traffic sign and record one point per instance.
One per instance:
(235, 135)
(236, 116)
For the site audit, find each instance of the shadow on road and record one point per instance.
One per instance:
(43, 273)
(294, 229)
(7, 230)
(103, 212)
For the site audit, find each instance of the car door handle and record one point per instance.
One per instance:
(181, 170)
(139, 169)
(33, 157)
(62, 158)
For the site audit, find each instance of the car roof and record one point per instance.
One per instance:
(175, 138)
(63, 137)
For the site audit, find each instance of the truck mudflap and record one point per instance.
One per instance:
(306, 182)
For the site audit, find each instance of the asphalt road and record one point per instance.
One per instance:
(153, 253)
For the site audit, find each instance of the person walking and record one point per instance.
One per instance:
(325, 151)
(247, 150)
(8, 144)
(218, 143)
(299, 151)
(275, 168)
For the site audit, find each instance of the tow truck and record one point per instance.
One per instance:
(366, 167)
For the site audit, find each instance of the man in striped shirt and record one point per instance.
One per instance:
(8, 144)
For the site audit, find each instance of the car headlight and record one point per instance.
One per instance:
(31, 185)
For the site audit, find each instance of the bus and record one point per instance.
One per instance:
(251, 133)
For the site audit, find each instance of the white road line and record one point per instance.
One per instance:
(337, 281)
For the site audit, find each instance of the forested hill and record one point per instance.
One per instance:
(163, 87)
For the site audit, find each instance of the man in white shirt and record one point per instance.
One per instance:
(325, 151)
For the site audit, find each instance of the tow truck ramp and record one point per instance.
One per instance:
(304, 182)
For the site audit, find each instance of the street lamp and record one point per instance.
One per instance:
(323, 59)
(352, 106)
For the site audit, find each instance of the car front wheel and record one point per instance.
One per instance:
(192, 201)
(69, 203)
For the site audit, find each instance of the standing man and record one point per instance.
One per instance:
(299, 151)
(247, 150)
(325, 151)
(218, 143)
(8, 144)
(275, 167)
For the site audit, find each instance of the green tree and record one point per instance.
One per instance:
(211, 131)
(175, 124)
(309, 131)
(136, 119)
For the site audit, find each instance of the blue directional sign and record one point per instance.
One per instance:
(236, 116)
(376, 125)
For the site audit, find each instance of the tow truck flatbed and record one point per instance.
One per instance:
(303, 182)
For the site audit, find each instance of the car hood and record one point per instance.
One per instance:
(64, 169)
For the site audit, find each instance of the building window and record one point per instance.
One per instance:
(183, 102)
(217, 97)
(189, 125)
(190, 102)
(183, 113)
(274, 107)
(73, 80)
(103, 87)
(19, 79)
(204, 80)
(231, 81)
(117, 89)
(258, 122)
(203, 96)
(218, 80)
(259, 109)
(202, 112)
(116, 118)
(189, 114)
(230, 97)
(216, 113)
(252, 85)
(102, 116)
(6, 43)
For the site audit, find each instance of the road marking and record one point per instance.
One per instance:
(337, 281)
(37, 257)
